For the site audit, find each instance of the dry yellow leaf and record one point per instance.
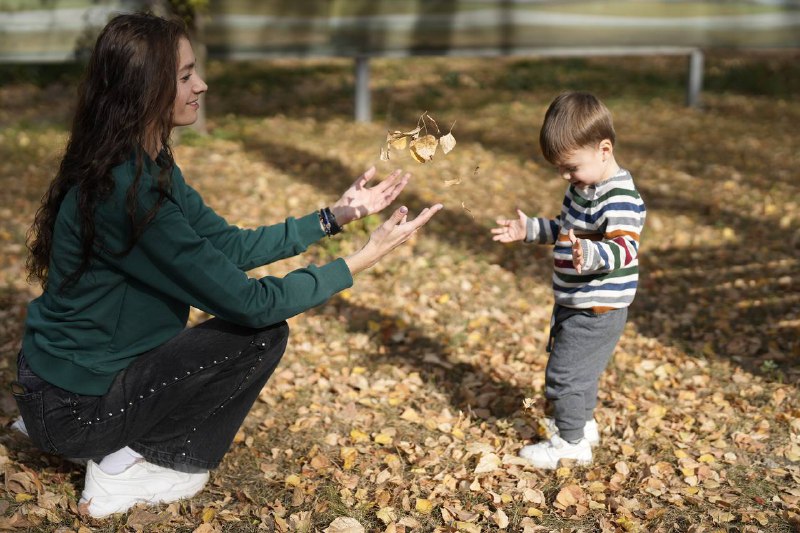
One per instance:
(208, 514)
(293, 480)
(706, 458)
(356, 435)
(424, 148)
(627, 450)
(398, 143)
(348, 456)
(488, 463)
(345, 524)
(22, 497)
(501, 519)
(792, 453)
(417, 158)
(447, 142)
(563, 472)
(569, 495)
(423, 506)
(467, 527)
(386, 515)
(383, 438)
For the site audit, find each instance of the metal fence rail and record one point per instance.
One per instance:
(360, 29)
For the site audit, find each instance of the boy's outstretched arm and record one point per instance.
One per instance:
(510, 229)
(525, 228)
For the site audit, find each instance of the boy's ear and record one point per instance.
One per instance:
(606, 148)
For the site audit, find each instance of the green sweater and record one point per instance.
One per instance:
(123, 306)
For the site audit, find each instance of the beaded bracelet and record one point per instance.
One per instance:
(328, 222)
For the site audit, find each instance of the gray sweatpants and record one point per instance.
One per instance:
(581, 344)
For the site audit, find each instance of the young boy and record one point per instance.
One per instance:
(596, 245)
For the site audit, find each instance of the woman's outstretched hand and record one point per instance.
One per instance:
(359, 200)
(392, 233)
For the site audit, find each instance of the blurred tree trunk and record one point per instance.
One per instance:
(192, 12)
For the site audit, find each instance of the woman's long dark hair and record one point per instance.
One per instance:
(124, 106)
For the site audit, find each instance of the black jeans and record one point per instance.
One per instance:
(178, 405)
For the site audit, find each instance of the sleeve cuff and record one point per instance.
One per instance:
(309, 229)
(339, 274)
(589, 254)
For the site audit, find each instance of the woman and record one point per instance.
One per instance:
(123, 246)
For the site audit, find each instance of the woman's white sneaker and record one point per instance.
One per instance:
(548, 453)
(106, 494)
(590, 431)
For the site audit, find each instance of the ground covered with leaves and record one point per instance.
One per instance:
(398, 405)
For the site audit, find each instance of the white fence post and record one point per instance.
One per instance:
(695, 78)
(363, 96)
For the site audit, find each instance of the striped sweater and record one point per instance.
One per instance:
(608, 218)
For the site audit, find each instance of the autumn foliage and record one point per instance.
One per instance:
(401, 404)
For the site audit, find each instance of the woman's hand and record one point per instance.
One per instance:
(359, 201)
(392, 233)
(511, 230)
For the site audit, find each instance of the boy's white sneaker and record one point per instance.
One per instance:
(590, 431)
(548, 453)
(106, 494)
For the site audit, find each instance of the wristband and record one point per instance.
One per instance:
(328, 222)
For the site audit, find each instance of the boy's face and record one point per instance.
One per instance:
(588, 165)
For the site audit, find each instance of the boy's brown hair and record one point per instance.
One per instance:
(574, 120)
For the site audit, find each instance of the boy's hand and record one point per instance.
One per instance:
(510, 230)
(577, 252)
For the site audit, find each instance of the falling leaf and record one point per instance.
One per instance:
(464, 207)
(424, 148)
(450, 183)
(447, 142)
(398, 143)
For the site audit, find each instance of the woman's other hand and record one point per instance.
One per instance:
(359, 200)
(392, 233)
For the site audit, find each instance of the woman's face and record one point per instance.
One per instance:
(189, 87)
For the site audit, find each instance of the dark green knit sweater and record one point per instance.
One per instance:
(80, 338)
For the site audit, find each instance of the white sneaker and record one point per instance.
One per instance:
(19, 425)
(547, 428)
(106, 494)
(547, 454)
